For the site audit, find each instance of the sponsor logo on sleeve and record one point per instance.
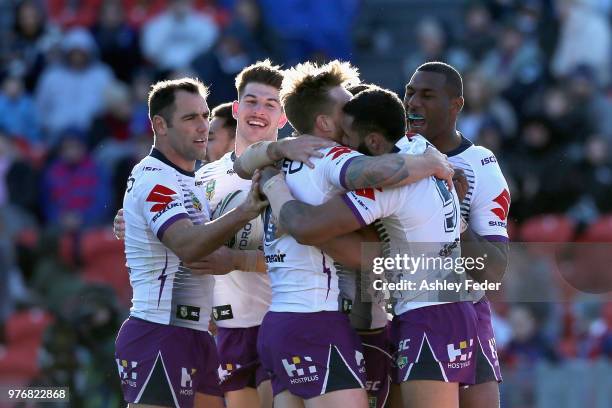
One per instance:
(338, 151)
(503, 201)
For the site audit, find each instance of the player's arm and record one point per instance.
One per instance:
(192, 242)
(348, 249)
(393, 170)
(225, 260)
(267, 153)
(494, 253)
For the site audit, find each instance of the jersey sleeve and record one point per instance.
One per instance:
(370, 204)
(159, 198)
(334, 164)
(490, 201)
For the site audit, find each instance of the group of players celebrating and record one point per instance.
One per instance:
(294, 324)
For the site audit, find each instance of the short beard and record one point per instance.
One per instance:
(363, 149)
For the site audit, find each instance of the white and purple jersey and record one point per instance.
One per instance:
(303, 277)
(158, 194)
(420, 219)
(487, 202)
(241, 299)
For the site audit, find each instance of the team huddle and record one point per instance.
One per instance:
(270, 247)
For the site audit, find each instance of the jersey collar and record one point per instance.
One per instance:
(465, 144)
(160, 156)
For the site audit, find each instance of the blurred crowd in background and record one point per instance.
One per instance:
(74, 76)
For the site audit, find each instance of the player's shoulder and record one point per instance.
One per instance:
(336, 153)
(225, 162)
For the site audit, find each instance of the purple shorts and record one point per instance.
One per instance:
(311, 354)
(487, 362)
(165, 365)
(436, 343)
(376, 352)
(240, 366)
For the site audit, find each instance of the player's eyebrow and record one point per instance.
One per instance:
(268, 99)
(191, 114)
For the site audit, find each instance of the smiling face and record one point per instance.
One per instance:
(184, 136)
(431, 109)
(258, 114)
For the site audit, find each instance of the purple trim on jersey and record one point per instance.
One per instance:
(162, 277)
(496, 238)
(168, 223)
(343, 171)
(354, 210)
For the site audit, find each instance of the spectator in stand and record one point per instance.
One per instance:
(19, 117)
(31, 39)
(70, 95)
(482, 105)
(529, 344)
(585, 93)
(220, 66)
(479, 36)
(585, 39)
(432, 45)
(515, 66)
(174, 38)
(75, 187)
(119, 43)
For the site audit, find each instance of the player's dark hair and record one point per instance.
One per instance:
(355, 89)
(162, 95)
(262, 72)
(305, 91)
(377, 110)
(454, 82)
(224, 111)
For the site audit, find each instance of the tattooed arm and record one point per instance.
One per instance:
(396, 170)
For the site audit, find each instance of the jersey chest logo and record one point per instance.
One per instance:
(210, 189)
(161, 196)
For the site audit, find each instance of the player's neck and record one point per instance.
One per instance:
(176, 159)
(447, 141)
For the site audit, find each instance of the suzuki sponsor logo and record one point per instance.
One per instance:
(503, 200)
(161, 196)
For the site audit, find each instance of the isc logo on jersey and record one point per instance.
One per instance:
(247, 237)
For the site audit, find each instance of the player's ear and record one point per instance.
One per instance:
(458, 103)
(235, 109)
(324, 123)
(160, 126)
(282, 121)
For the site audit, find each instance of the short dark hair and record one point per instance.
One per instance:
(377, 110)
(162, 95)
(305, 90)
(262, 72)
(355, 89)
(454, 82)
(224, 111)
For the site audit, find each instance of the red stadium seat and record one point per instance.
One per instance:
(547, 228)
(110, 270)
(19, 363)
(100, 243)
(27, 326)
(599, 231)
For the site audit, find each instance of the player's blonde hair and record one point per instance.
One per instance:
(305, 90)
